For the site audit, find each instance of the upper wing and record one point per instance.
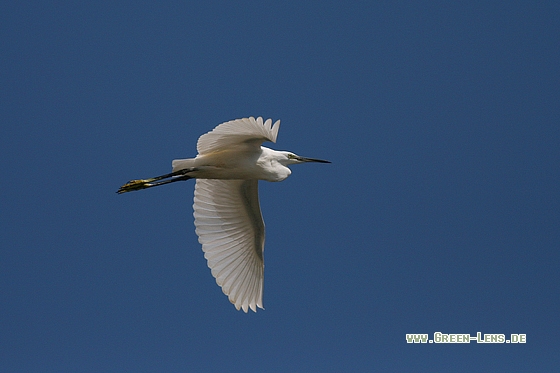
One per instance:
(230, 228)
(238, 132)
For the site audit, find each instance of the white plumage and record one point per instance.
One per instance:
(227, 213)
(237, 132)
(230, 228)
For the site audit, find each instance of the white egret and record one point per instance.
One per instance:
(227, 215)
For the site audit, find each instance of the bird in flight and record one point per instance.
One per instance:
(227, 215)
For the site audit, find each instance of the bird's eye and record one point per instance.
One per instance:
(291, 156)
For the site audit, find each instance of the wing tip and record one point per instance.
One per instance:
(274, 130)
(270, 129)
(245, 307)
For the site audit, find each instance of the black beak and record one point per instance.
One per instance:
(303, 159)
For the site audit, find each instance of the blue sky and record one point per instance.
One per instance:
(440, 211)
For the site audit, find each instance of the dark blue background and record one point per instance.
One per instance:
(440, 211)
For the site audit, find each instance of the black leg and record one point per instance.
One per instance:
(149, 183)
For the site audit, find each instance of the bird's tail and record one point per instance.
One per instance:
(180, 164)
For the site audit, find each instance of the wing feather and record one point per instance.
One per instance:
(239, 132)
(230, 228)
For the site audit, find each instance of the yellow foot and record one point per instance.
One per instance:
(135, 185)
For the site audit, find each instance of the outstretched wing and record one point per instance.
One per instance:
(230, 228)
(238, 132)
